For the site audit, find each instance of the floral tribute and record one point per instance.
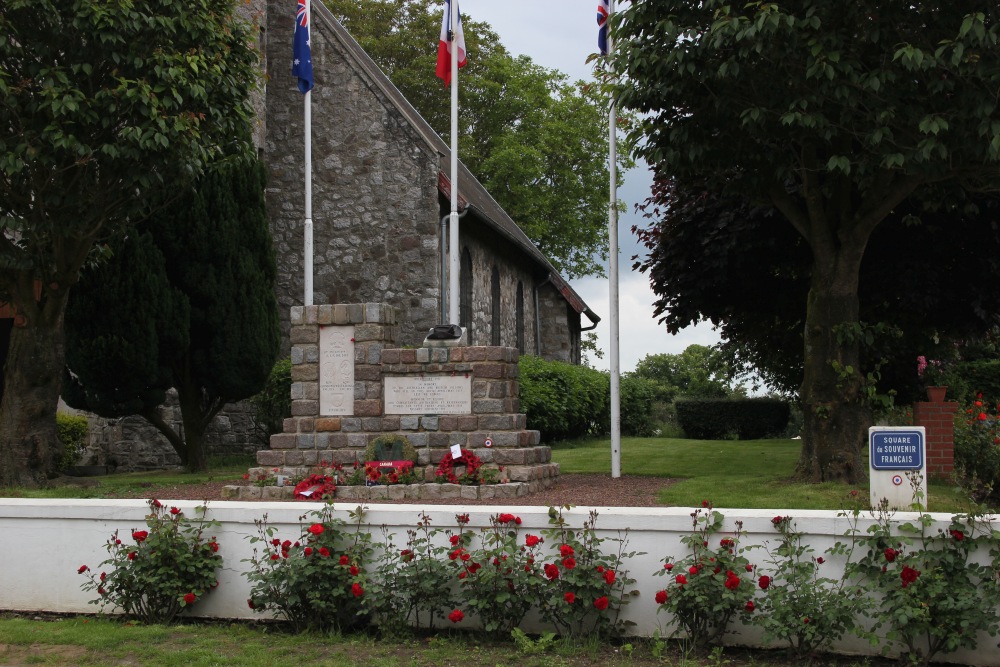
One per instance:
(318, 581)
(470, 476)
(154, 574)
(712, 584)
(316, 487)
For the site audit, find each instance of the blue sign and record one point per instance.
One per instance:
(897, 450)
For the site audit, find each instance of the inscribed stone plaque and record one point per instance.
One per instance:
(430, 395)
(336, 370)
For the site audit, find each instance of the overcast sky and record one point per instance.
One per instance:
(561, 34)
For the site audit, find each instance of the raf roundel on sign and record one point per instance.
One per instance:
(897, 480)
(488, 442)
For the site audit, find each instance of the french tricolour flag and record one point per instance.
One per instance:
(444, 47)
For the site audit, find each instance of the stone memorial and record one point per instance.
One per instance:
(423, 395)
(336, 370)
(898, 472)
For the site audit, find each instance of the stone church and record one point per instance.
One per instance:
(380, 191)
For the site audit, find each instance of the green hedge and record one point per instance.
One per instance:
(719, 419)
(273, 404)
(72, 431)
(567, 401)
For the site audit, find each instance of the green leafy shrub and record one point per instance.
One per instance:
(316, 582)
(638, 401)
(710, 586)
(562, 400)
(719, 419)
(72, 431)
(162, 570)
(977, 449)
(273, 404)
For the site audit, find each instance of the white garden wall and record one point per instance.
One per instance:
(46, 541)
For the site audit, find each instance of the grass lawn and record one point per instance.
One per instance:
(753, 474)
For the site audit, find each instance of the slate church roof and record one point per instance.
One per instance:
(471, 191)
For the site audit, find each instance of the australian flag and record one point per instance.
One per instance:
(603, 9)
(302, 66)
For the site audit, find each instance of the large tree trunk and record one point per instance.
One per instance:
(836, 415)
(29, 445)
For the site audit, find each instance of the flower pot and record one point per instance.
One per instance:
(936, 394)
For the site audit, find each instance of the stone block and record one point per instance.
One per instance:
(294, 458)
(372, 424)
(496, 353)
(474, 354)
(231, 492)
(357, 441)
(283, 441)
(305, 373)
(251, 493)
(296, 315)
(468, 423)
(326, 424)
(390, 356)
(419, 440)
(305, 408)
(470, 493)
(409, 423)
(324, 315)
(270, 458)
(440, 439)
(350, 424)
(506, 439)
(374, 354)
(397, 492)
(367, 408)
(390, 423)
(341, 314)
(290, 425)
(373, 390)
(529, 438)
(511, 457)
(482, 406)
(429, 423)
(304, 335)
(310, 353)
(337, 441)
(309, 458)
(355, 313)
(297, 355)
(422, 355)
(322, 441)
(450, 491)
(305, 441)
(490, 370)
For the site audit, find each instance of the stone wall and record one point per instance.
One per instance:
(375, 196)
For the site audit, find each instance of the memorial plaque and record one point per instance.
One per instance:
(897, 450)
(428, 395)
(336, 371)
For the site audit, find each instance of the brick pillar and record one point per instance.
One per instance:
(938, 418)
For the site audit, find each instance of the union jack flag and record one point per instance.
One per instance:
(302, 66)
(603, 9)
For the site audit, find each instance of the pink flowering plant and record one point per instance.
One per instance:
(796, 603)
(496, 573)
(930, 591)
(152, 575)
(710, 586)
(412, 587)
(316, 581)
(584, 585)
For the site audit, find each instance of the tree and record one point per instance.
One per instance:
(529, 135)
(101, 105)
(698, 371)
(834, 114)
(187, 304)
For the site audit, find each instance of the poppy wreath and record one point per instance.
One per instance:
(446, 468)
(322, 487)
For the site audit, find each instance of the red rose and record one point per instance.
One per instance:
(354, 571)
(749, 567)
(406, 555)
(601, 603)
(308, 551)
(316, 529)
(455, 539)
(189, 598)
(957, 534)
(661, 597)
(83, 568)
(750, 606)
(214, 546)
(776, 521)
(286, 545)
(680, 579)
(532, 540)
(175, 510)
(565, 550)
(462, 574)
(806, 620)
(156, 503)
(357, 591)
(569, 563)
(462, 519)
(693, 570)
(276, 542)
(324, 552)
(474, 567)
(820, 560)
(732, 581)
(465, 556)
(344, 560)
(727, 543)
(250, 603)
(456, 616)
(131, 555)
(890, 554)
(668, 566)
(570, 597)
(981, 417)
(104, 575)
(908, 575)
(609, 577)
(139, 535)
(551, 571)
(764, 582)
(275, 556)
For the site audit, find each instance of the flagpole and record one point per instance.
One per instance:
(453, 251)
(307, 244)
(616, 435)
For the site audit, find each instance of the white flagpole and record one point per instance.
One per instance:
(453, 251)
(307, 244)
(616, 435)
